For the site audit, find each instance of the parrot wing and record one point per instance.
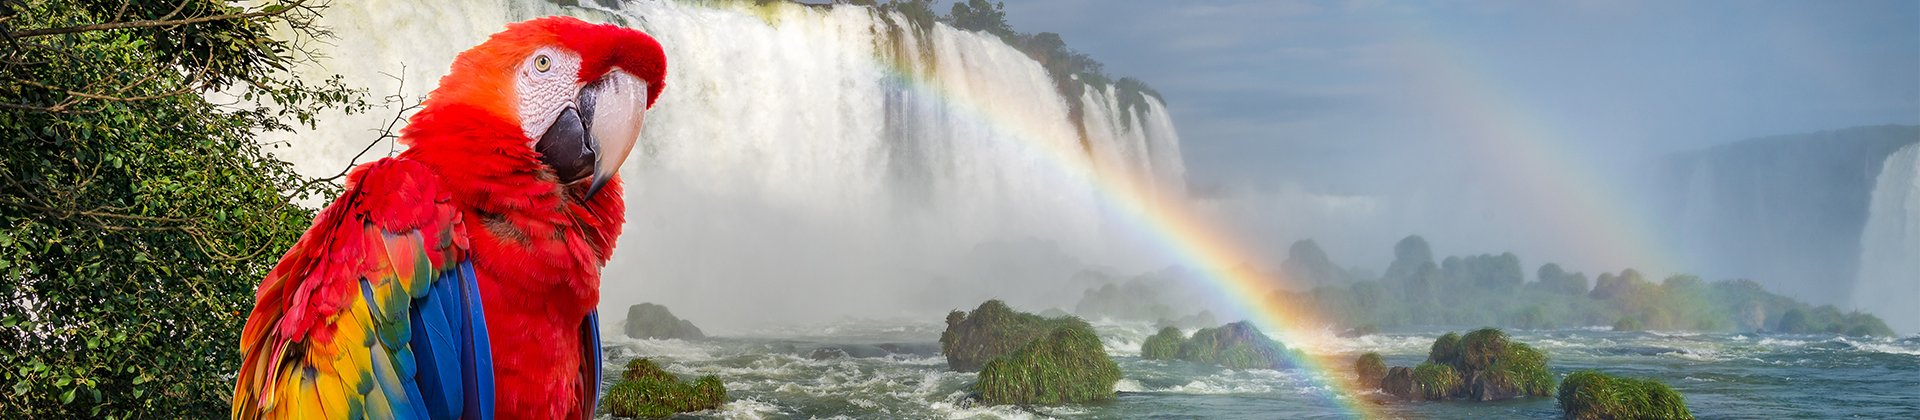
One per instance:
(374, 313)
(590, 360)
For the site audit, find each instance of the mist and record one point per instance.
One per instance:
(1596, 135)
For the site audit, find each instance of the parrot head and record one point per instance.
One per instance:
(577, 91)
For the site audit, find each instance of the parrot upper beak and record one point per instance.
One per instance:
(594, 136)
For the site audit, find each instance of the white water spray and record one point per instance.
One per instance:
(1888, 284)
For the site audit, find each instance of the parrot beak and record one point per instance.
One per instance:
(595, 135)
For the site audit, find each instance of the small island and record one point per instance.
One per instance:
(1028, 359)
(646, 391)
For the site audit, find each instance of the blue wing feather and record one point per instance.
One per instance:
(590, 362)
(437, 345)
(477, 362)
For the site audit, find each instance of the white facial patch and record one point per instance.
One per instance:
(547, 83)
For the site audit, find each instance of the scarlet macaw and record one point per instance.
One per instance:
(459, 279)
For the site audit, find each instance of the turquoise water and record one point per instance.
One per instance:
(894, 370)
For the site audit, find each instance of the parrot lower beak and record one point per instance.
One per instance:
(593, 137)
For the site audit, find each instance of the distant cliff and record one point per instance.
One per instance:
(1786, 211)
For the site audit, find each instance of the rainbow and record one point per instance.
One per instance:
(1178, 232)
(1581, 205)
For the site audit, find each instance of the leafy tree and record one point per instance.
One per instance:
(139, 215)
(981, 15)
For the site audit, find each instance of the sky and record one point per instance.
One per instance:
(1322, 94)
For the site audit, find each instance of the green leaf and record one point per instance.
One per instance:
(67, 397)
(20, 388)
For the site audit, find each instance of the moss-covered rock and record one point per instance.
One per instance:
(1593, 395)
(1164, 345)
(991, 331)
(1067, 365)
(646, 391)
(1237, 345)
(1371, 369)
(1487, 365)
(650, 321)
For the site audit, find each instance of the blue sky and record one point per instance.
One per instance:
(1322, 94)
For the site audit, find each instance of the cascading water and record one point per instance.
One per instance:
(1889, 280)
(807, 163)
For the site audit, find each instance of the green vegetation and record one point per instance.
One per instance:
(650, 321)
(1371, 369)
(1068, 365)
(994, 330)
(1436, 381)
(1164, 345)
(646, 391)
(1484, 365)
(1590, 395)
(1493, 290)
(139, 214)
(1235, 346)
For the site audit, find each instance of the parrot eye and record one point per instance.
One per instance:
(542, 63)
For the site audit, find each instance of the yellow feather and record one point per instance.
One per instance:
(332, 395)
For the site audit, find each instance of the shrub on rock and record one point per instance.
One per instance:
(646, 391)
(1371, 369)
(1067, 365)
(1237, 346)
(1593, 395)
(1164, 345)
(1487, 365)
(993, 330)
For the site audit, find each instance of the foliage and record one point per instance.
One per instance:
(651, 321)
(1478, 349)
(1445, 350)
(1487, 365)
(1437, 381)
(1236, 345)
(991, 331)
(1370, 368)
(1591, 395)
(1487, 290)
(140, 214)
(646, 391)
(1523, 369)
(1068, 365)
(1164, 345)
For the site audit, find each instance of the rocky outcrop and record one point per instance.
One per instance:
(1068, 365)
(1236, 345)
(1371, 369)
(1028, 359)
(650, 321)
(1164, 345)
(1399, 383)
(1484, 365)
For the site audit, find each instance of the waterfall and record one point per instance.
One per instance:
(807, 163)
(1889, 280)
